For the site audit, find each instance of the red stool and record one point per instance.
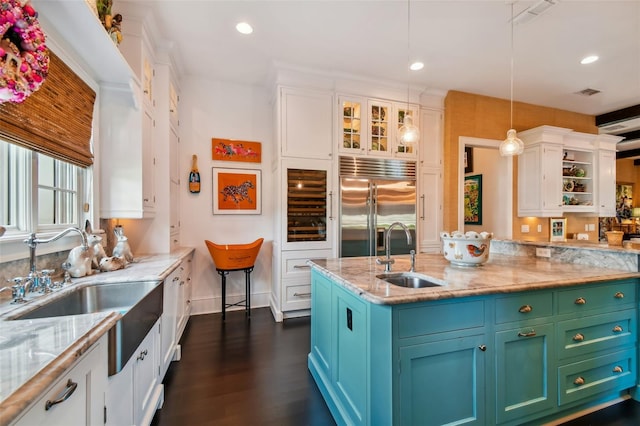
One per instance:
(235, 257)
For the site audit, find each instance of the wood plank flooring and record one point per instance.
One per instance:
(255, 372)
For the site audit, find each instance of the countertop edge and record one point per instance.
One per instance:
(17, 402)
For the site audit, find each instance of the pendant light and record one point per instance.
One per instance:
(512, 145)
(408, 132)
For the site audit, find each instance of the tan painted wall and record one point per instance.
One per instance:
(479, 116)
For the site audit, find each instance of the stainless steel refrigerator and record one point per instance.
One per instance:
(374, 193)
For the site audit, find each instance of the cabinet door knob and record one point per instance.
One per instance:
(617, 329)
(482, 347)
(578, 337)
(619, 295)
(617, 369)
(525, 309)
(580, 301)
(579, 381)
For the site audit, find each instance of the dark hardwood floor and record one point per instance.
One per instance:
(255, 372)
(243, 373)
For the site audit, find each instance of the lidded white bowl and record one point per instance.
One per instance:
(466, 249)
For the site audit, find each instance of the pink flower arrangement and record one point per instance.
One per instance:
(24, 58)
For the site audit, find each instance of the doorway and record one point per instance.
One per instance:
(494, 206)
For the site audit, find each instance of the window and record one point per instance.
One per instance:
(51, 203)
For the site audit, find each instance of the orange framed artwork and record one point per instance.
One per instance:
(236, 150)
(236, 191)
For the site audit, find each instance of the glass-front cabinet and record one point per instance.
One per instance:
(352, 138)
(379, 120)
(370, 127)
(309, 202)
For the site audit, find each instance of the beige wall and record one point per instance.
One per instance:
(478, 116)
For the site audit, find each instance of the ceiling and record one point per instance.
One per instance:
(465, 45)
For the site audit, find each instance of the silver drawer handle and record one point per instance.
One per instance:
(301, 267)
(301, 294)
(66, 393)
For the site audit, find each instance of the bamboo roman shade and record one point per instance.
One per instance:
(56, 120)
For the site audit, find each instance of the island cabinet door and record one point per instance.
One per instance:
(525, 380)
(442, 383)
(351, 355)
(321, 329)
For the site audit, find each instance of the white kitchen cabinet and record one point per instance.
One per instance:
(606, 162)
(134, 393)
(540, 172)
(170, 300)
(429, 211)
(370, 127)
(174, 188)
(79, 393)
(174, 99)
(305, 123)
(431, 137)
(184, 297)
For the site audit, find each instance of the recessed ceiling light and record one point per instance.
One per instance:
(416, 66)
(589, 59)
(244, 28)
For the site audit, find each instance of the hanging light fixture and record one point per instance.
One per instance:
(408, 132)
(512, 145)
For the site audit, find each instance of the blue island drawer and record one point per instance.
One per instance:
(438, 317)
(584, 379)
(595, 333)
(588, 297)
(524, 306)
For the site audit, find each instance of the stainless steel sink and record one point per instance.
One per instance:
(408, 279)
(140, 304)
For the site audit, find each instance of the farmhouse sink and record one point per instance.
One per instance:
(139, 303)
(408, 279)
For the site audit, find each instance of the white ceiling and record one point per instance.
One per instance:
(465, 45)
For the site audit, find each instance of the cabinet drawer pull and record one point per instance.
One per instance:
(578, 337)
(301, 267)
(579, 381)
(527, 334)
(301, 294)
(617, 329)
(619, 295)
(580, 301)
(482, 347)
(617, 369)
(525, 309)
(66, 393)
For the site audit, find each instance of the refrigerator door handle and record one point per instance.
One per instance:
(423, 210)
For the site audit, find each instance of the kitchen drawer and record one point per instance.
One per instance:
(440, 317)
(524, 306)
(599, 332)
(609, 296)
(611, 372)
(294, 263)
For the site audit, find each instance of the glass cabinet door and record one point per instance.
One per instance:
(306, 205)
(379, 116)
(351, 125)
(400, 111)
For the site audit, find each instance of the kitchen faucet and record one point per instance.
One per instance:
(387, 262)
(33, 241)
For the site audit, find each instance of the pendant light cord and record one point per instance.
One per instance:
(408, 52)
(511, 118)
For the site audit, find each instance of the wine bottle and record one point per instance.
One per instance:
(194, 176)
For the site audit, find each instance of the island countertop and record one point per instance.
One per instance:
(501, 274)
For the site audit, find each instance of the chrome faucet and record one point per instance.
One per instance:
(33, 242)
(388, 261)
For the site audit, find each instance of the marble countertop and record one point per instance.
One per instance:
(501, 274)
(35, 352)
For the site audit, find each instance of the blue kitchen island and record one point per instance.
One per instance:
(515, 340)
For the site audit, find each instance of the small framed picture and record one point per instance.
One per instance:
(236, 191)
(558, 229)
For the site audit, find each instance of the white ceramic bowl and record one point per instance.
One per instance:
(470, 249)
